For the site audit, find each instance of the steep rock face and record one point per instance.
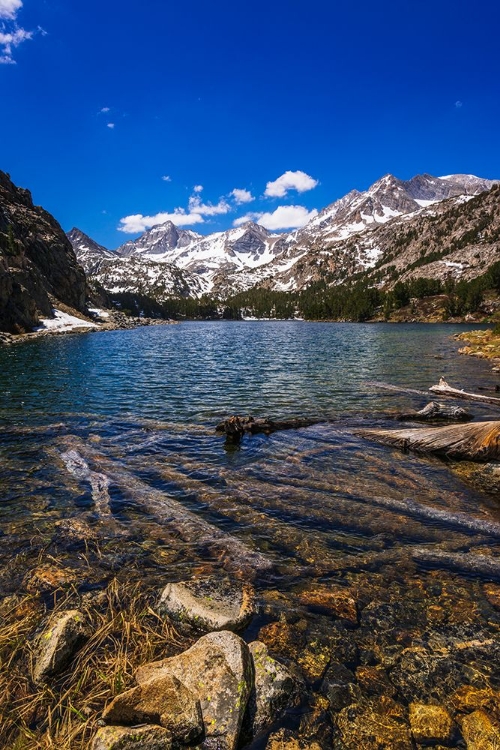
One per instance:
(38, 266)
(90, 254)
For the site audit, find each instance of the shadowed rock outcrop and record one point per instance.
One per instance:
(38, 267)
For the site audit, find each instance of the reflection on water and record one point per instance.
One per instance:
(108, 447)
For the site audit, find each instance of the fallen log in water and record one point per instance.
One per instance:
(446, 390)
(235, 427)
(479, 441)
(435, 412)
(482, 565)
(171, 513)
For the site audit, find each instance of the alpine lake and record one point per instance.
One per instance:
(111, 468)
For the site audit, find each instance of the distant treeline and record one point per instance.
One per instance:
(357, 300)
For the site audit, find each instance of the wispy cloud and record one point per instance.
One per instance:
(459, 104)
(12, 35)
(111, 125)
(104, 110)
(284, 217)
(241, 196)
(299, 181)
(198, 188)
(166, 178)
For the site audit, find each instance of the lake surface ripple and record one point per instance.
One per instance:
(110, 465)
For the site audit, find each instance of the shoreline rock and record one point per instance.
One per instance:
(209, 603)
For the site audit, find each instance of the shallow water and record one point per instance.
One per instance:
(116, 431)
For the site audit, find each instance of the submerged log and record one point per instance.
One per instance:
(436, 412)
(444, 389)
(481, 565)
(479, 441)
(235, 427)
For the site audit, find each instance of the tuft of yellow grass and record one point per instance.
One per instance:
(64, 713)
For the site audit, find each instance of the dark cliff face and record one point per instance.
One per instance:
(38, 266)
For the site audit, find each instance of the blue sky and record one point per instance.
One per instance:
(120, 114)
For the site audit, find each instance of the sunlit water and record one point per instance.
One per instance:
(293, 510)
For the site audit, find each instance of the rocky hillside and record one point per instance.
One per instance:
(360, 231)
(38, 266)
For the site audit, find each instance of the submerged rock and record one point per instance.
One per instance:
(132, 738)
(287, 740)
(274, 687)
(430, 724)
(209, 603)
(47, 578)
(164, 701)
(218, 672)
(64, 634)
(374, 725)
(480, 731)
(336, 601)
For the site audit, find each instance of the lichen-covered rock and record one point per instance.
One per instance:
(373, 725)
(430, 724)
(218, 671)
(209, 603)
(37, 263)
(480, 731)
(132, 738)
(273, 688)
(164, 701)
(63, 635)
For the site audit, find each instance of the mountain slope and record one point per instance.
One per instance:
(38, 266)
(349, 236)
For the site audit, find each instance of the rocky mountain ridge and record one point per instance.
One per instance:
(38, 266)
(349, 236)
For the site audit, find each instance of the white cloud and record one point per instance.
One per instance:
(10, 8)
(198, 188)
(284, 217)
(166, 178)
(104, 110)
(137, 223)
(111, 125)
(208, 209)
(241, 196)
(11, 39)
(299, 181)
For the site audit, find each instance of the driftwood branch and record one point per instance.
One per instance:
(435, 412)
(446, 390)
(479, 441)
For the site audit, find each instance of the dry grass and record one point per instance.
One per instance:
(64, 713)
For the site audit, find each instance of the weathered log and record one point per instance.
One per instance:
(435, 412)
(479, 441)
(444, 389)
(235, 427)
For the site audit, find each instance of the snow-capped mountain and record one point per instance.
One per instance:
(343, 236)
